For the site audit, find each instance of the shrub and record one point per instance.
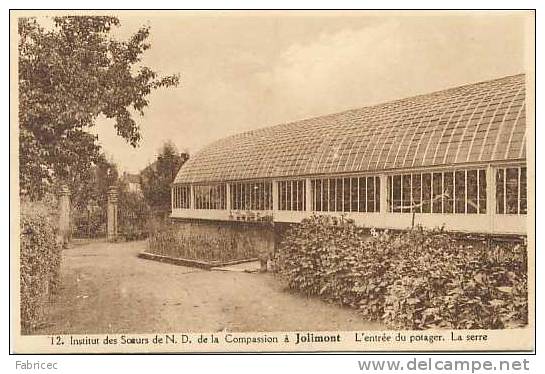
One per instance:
(88, 223)
(40, 259)
(415, 279)
(134, 214)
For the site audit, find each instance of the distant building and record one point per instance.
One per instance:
(133, 182)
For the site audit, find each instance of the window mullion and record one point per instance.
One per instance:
(392, 193)
(478, 191)
(505, 190)
(465, 193)
(358, 194)
(518, 191)
(401, 188)
(443, 192)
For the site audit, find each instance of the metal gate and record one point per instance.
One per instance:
(89, 222)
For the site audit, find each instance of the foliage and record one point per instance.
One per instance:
(168, 240)
(69, 75)
(156, 179)
(91, 192)
(415, 280)
(89, 199)
(134, 214)
(40, 260)
(88, 223)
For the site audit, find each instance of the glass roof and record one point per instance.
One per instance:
(474, 123)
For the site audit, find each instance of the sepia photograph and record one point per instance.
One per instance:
(272, 181)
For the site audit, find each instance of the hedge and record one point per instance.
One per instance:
(40, 259)
(169, 240)
(416, 279)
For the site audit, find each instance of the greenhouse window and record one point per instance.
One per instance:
(181, 198)
(251, 196)
(461, 191)
(291, 195)
(210, 196)
(511, 194)
(349, 194)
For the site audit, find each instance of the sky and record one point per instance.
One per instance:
(242, 71)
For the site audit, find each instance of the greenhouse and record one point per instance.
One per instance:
(454, 158)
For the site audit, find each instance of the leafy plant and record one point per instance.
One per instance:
(40, 260)
(69, 75)
(134, 214)
(170, 240)
(156, 179)
(415, 279)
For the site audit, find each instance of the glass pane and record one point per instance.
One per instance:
(448, 191)
(339, 195)
(325, 194)
(389, 193)
(426, 193)
(179, 194)
(236, 196)
(416, 192)
(332, 195)
(511, 190)
(472, 203)
(460, 181)
(346, 194)
(302, 195)
(317, 191)
(263, 196)
(482, 191)
(406, 194)
(295, 195)
(377, 194)
(269, 197)
(500, 184)
(281, 196)
(258, 196)
(397, 194)
(370, 194)
(437, 203)
(288, 195)
(213, 197)
(523, 192)
(362, 195)
(354, 194)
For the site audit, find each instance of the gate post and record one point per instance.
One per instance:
(64, 214)
(112, 214)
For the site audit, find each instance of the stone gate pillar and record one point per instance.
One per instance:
(112, 214)
(64, 214)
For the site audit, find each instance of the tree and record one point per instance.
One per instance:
(70, 75)
(93, 190)
(156, 179)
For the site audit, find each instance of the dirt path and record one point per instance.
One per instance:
(106, 288)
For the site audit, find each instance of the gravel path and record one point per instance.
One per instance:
(106, 288)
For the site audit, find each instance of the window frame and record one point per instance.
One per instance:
(340, 190)
(439, 179)
(254, 195)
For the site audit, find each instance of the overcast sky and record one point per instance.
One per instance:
(242, 71)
